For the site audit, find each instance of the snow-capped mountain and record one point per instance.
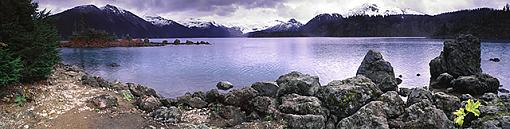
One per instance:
(374, 10)
(290, 26)
(159, 21)
(198, 23)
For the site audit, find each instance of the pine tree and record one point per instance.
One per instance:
(29, 36)
(10, 68)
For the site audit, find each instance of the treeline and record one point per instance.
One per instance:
(28, 42)
(484, 22)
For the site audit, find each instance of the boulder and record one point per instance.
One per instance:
(300, 105)
(304, 121)
(465, 97)
(344, 98)
(194, 102)
(169, 102)
(104, 101)
(263, 105)
(266, 88)
(394, 104)
(448, 103)
(460, 57)
(229, 115)
(488, 110)
(241, 97)
(296, 82)
(499, 122)
(476, 84)
(489, 97)
(423, 115)
(224, 85)
(378, 70)
(418, 94)
(148, 103)
(370, 116)
(404, 91)
(442, 81)
(94, 81)
(167, 115)
(505, 97)
(214, 96)
(139, 90)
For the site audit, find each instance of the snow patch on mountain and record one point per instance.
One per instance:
(159, 21)
(376, 10)
(291, 25)
(113, 9)
(198, 23)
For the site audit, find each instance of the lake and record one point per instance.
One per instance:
(175, 70)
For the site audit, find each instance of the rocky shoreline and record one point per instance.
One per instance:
(371, 99)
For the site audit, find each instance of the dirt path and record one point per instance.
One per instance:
(62, 102)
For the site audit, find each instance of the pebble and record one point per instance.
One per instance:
(26, 126)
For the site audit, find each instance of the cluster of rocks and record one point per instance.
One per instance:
(458, 68)
(188, 42)
(371, 99)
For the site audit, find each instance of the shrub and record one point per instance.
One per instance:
(10, 68)
(29, 36)
(470, 108)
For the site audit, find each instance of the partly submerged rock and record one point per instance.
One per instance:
(404, 91)
(344, 98)
(296, 82)
(224, 85)
(476, 84)
(378, 70)
(460, 57)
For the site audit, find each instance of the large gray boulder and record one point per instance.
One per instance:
(394, 104)
(104, 101)
(266, 88)
(424, 115)
(241, 97)
(264, 105)
(447, 103)
(214, 96)
(148, 103)
(418, 94)
(370, 116)
(476, 84)
(166, 115)
(194, 102)
(301, 105)
(442, 81)
(460, 57)
(378, 70)
(304, 121)
(344, 98)
(299, 83)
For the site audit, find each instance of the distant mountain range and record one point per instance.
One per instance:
(485, 23)
(365, 20)
(121, 23)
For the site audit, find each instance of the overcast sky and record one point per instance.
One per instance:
(236, 12)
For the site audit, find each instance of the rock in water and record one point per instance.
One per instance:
(224, 85)
(476, 84)
(378, 70)
(458, 58)
(296, 82)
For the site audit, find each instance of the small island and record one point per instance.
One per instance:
(91, 38)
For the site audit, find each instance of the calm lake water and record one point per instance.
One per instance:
(175, 70)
